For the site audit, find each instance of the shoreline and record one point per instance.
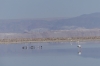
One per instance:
(43, 40)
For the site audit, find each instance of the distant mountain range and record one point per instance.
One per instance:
(86, 21)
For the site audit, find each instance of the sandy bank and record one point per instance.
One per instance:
(29, 40)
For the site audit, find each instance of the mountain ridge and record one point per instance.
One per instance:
(88, 21)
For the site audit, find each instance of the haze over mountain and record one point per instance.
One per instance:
(86, 21)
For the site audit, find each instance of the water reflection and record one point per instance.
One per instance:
(91, 52)
(64, 49)
(50, 54)
(79, 52)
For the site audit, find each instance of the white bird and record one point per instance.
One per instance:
(79, 46)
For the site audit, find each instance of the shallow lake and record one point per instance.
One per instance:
(50, 54)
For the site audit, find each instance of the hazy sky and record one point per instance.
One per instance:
(17, 9)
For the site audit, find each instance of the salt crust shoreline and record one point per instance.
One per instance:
(13, 41)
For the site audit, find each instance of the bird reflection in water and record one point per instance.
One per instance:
(79, 53)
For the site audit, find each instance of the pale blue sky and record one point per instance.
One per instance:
(17, 9)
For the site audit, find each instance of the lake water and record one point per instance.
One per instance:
(50, 54)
